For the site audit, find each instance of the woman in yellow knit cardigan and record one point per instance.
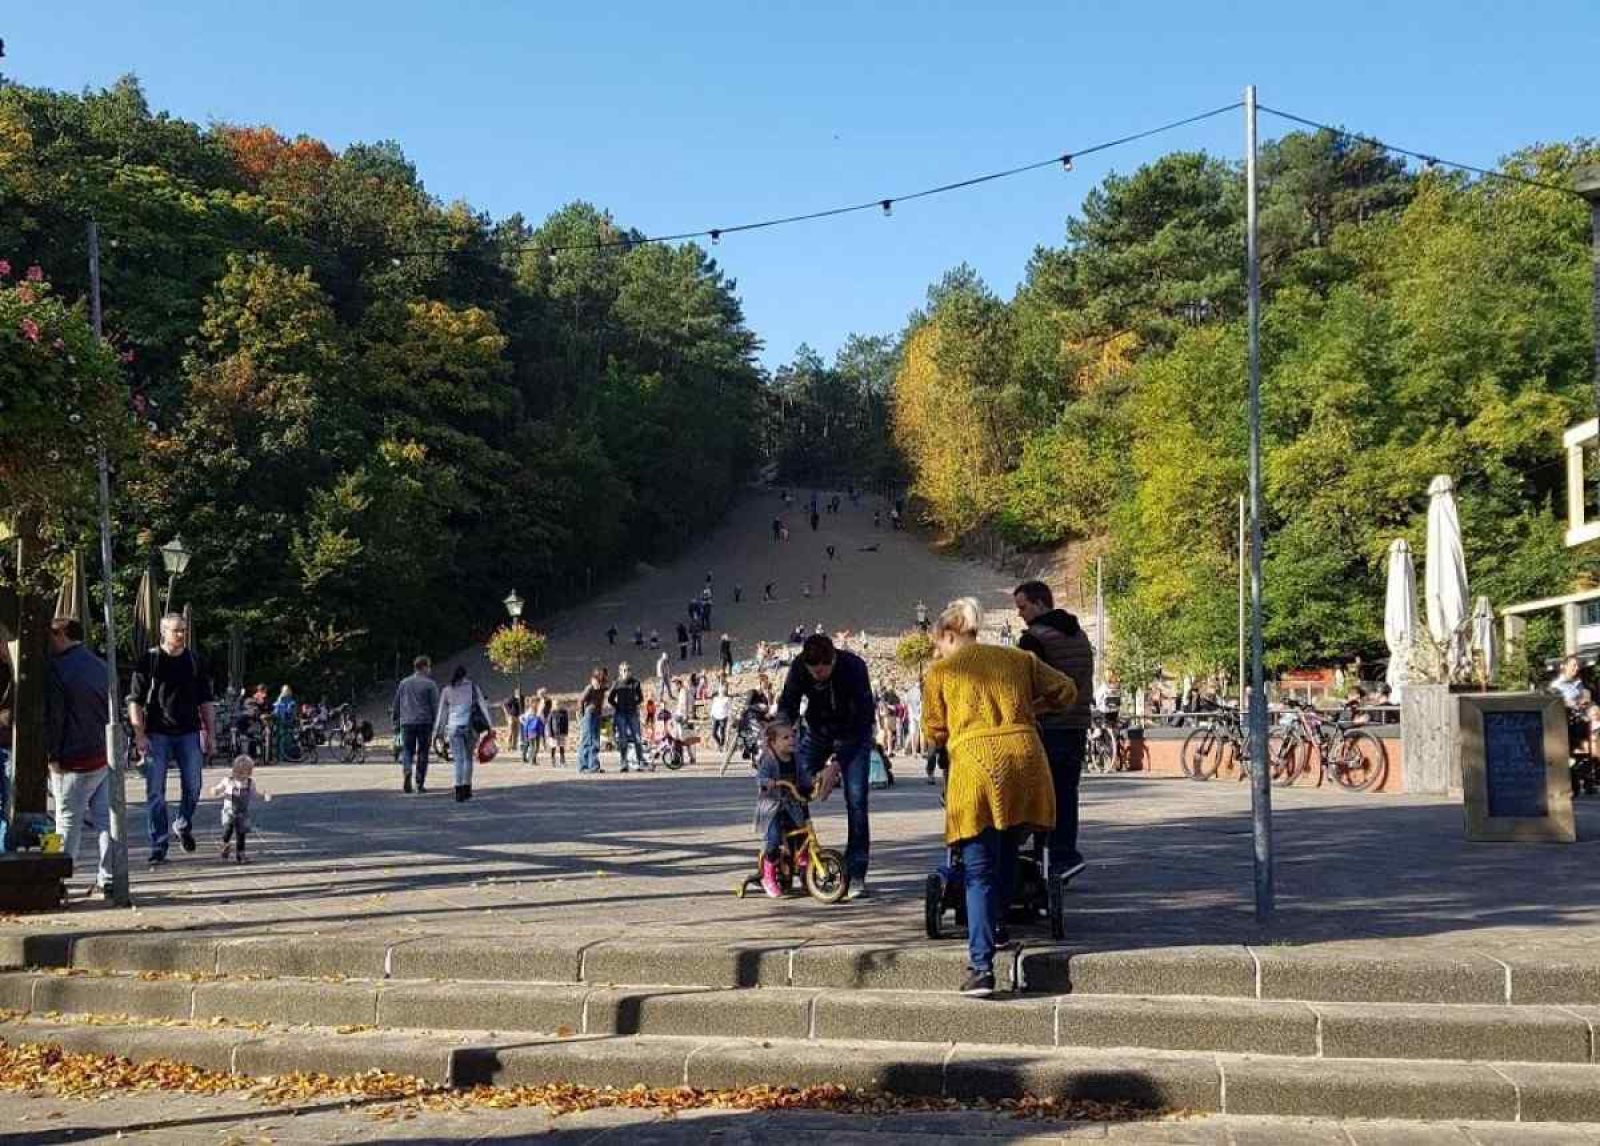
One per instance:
(980, 702)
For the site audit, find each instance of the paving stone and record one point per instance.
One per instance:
(544, 1008)
(1552, 979)
(512, 960)
(1332, 975)
(1526, 1134)
(586, 1060)
(16, 991)
(901, 967)
(1394, 1133)
(1289, 1132)
(1216, 971)
(47, 949)
(1461, 1031)
(113, 995)
(723, 1013)
(1187, 1024)
(898, 1068)
(210, 1048)
(288, 1001)
(942, 1018)
(689, 964)
(1349, 1088)
(145, 952)
(330, 1053)
(306, 956)
(1552, 1093)
(1140, 1078)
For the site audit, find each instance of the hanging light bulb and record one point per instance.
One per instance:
(716, 237)
(888, 206)
(1066, 162)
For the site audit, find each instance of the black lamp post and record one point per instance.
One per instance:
(513, 604)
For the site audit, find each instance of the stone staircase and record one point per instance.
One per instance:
(1242, 1030)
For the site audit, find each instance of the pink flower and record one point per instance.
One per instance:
(58, 345)
(30, 329)
(35, 274)
(127, 356)
(5, 269)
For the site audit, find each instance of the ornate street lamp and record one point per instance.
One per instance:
(513, 604)
(176, 558)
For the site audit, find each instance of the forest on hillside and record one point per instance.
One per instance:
(369, 413)
(1414, 323)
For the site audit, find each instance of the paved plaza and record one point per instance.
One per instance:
(541, 851)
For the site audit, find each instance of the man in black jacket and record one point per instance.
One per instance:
(627, 695)
(1055, 637)
(75, 742)
(836, 736)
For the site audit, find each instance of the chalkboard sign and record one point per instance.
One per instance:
(1514, 766)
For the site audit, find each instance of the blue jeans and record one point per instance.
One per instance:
(415, 741)
(625, 726)
(165, 750)
(777, 827)
(855, 763)
(464, 752)
(989, 861)
(589, 742)
(1065, 748)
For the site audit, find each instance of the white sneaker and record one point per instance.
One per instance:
(857, 890)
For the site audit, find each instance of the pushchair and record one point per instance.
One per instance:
(1037, 891)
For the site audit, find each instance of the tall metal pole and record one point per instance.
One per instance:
(1100, 615)
(1260, 782)
(1242, 552)
(117, 796)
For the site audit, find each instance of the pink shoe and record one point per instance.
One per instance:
(769, 879)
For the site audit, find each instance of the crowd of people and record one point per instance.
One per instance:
(1009, 723)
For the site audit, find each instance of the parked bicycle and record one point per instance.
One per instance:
(347, 736)
(1347, 754)
(1107, 748)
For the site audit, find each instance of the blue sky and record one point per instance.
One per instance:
(696, 115)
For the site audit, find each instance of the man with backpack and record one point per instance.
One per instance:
(627, 697)
(170, 708)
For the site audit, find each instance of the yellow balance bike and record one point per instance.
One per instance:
(822, 868)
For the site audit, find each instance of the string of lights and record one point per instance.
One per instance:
(1428, 160)
(885, 205)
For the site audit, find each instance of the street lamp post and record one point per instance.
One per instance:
(176, 558)
(513, 604)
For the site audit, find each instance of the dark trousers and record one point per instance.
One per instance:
(1065, 748)
(855, 764)
(415, 742)
(236, 832)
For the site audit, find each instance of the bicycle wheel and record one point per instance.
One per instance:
(1361, 762)
(1287, 755)
(1098, 756)
(355, 752)
(825, 878)
(1201, 754)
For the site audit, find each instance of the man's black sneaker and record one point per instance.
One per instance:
(186, 838)
(978, 985)
(408, 785)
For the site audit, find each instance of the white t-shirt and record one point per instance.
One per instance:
(719, 707)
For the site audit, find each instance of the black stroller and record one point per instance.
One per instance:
(1037, 892)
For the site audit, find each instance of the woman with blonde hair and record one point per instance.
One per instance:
(980, 702)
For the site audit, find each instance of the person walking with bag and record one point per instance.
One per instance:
(463, 717)
(981, 703)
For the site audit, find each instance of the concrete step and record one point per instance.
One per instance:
(1462, 1032)
(1317, 973)
(1237, 1084)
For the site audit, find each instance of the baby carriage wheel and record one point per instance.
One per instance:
(933, 905)
(1056, 893)
(825, 878)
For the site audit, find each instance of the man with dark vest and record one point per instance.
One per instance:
(1055, 637)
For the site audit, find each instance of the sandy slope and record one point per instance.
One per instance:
(872, 591)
